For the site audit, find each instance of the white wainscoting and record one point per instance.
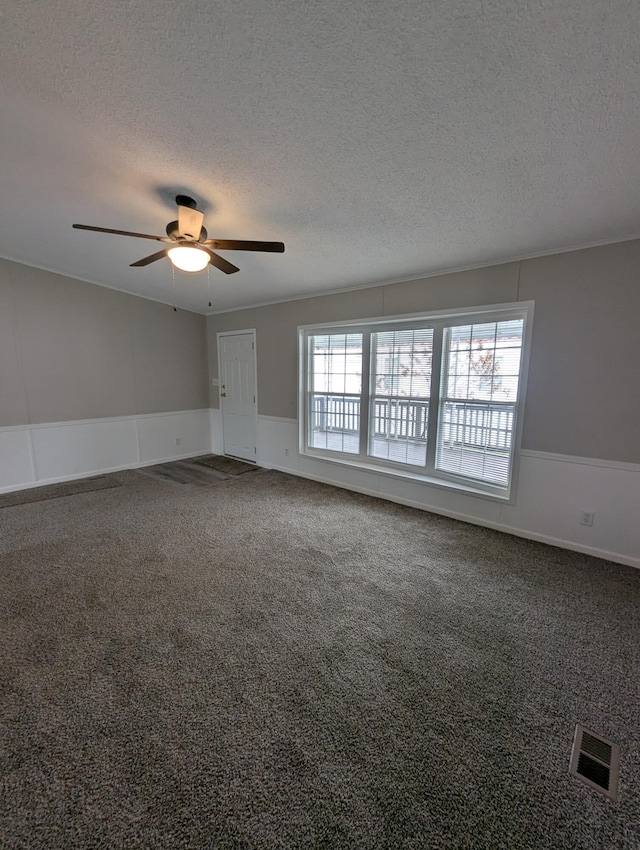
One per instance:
(217, 441)
(552, 491)
(31, 455)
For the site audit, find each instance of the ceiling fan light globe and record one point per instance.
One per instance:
(188, 258)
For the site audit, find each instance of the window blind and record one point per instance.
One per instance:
(479, 390)
(401, 363)
(434, 397)
(335, 367)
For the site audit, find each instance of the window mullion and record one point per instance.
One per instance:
(474, 399)
(437, 361)
(365, 393)
(308, 391)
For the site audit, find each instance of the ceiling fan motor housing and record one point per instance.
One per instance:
(173, 231)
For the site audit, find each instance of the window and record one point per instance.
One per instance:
(435, 398)
(336, 387)
(478, 400)
(400, 390)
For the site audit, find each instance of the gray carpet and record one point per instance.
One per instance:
(274, 663)
(57, 491)
(184, 472)
(228, 465)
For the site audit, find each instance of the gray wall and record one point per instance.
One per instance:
(583, 397)
(70, 350)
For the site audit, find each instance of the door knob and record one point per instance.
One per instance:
(223, 395)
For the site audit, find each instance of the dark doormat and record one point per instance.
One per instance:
(228, 465)
(56, 491)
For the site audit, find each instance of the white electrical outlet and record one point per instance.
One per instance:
(286, 451)
(178, 441)
(586, 518)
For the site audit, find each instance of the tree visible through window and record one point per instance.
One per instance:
(401, 377)
(477, 404)
(436, 397)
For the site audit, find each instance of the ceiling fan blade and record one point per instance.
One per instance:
(224, 265)
(189, 223)
(244, 245)
(121, 232)
(147, 260)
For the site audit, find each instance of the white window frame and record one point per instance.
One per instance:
(438, 320)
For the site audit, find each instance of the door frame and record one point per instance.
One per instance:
(251, 331)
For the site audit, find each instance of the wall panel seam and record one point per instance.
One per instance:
(17, 346)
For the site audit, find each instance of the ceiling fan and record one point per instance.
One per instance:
(190, 250)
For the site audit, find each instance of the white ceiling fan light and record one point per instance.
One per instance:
(188, 258)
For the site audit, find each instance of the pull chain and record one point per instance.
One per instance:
(209, 283)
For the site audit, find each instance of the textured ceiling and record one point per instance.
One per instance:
(378, 140)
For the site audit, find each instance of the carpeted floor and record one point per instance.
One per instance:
(57, 491)
(185, 472)
(228, 465)
(275, 663)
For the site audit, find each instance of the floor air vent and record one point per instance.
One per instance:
(595, 761)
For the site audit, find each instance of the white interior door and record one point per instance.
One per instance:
(237, 367)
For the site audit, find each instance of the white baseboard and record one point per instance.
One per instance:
(552, 489)
(78, 477)
(551, 493)
(474, 520)
(34, 455)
